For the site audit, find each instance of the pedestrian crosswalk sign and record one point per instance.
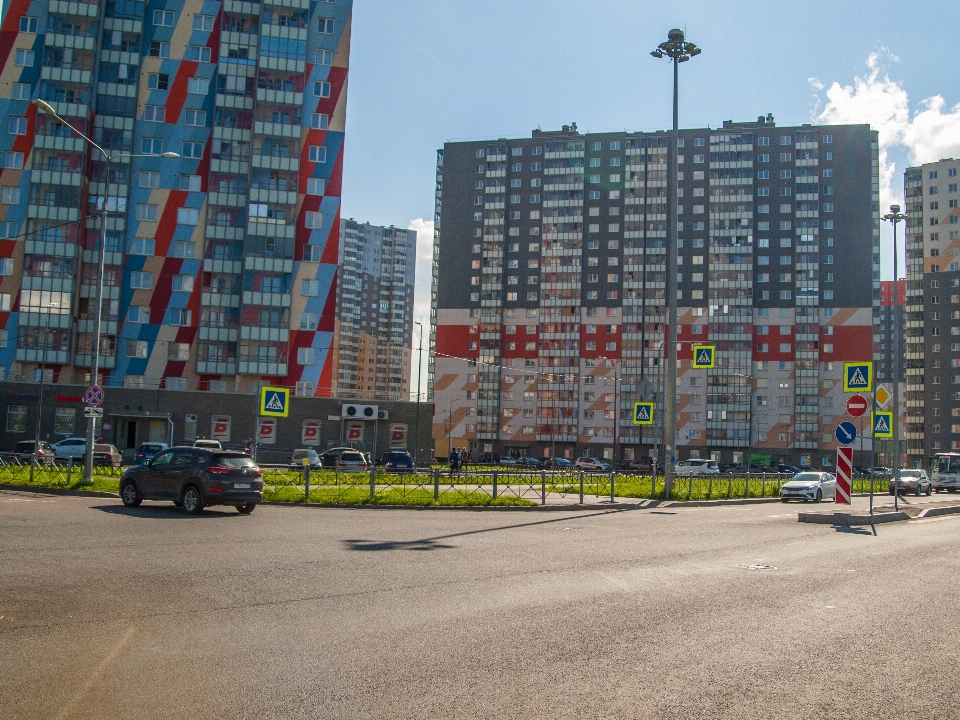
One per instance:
(883, 424)
(857, 377)
(704, 356)
(274, 402)
(643, 413)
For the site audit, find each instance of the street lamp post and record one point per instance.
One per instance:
(678, 51)
(43, 371)
(895, 216)
(44, 106)
(616, 405)
(416, 454)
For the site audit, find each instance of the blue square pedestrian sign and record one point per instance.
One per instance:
(883, 424)
(274, 402)
(643, 413)
(704, 356)
(857, 377)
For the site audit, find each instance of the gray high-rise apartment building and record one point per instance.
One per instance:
(933, 310)
(549, 289)
(374, 311)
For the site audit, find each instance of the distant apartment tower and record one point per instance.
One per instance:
(549, 289)
(932, 310)
(374, 311)
(220, 265)
(886, 322)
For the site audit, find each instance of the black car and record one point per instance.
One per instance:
(193, 478)
(396, 461)
(529, 462)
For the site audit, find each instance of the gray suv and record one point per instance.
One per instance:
(194, 478)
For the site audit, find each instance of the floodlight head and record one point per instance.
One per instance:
(657, 54)
(45, 106)
(694, 51)
(683, 58)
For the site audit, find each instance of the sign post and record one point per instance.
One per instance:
(844, 474)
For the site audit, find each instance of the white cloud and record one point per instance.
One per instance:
(929, 134)
(421, 295)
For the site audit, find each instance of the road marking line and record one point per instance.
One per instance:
(615, 582)
(85, 688)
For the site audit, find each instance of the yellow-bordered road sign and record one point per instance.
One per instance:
(704, 356)
(857, 377)
(643, 413)
(274, 402)
(883, 424)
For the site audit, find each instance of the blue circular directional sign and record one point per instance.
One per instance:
(94, 395)
(846, 433)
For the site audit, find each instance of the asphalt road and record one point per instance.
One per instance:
(313, 613)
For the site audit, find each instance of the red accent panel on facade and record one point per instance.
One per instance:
(327, 321)
(7, 248)
(600, 338)
(454, 341)
(337, 77)
(213, 42)
(773, 340)
(177, 95)
(326, 378)
(520, 340)
(24, 143)
(685, 334)
(314, 137)
(168, 221)
(335, 182)
(850, 343)
(163, 289)
(331, 249)
(11, 25)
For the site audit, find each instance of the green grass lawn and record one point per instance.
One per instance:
(467, 490)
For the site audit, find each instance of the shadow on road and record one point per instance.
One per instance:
(856, 529)
(164, 512)
(435, 543)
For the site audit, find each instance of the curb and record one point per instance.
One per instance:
(934, 512)
(849, 519)
(46, 490)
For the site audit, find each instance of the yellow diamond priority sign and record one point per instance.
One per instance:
(882, 396)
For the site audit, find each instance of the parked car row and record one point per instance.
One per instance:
(48, 454)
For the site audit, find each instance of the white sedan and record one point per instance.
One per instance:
(808, 486)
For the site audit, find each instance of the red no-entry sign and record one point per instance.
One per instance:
(857, 405)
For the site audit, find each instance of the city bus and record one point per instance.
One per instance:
(945, 471)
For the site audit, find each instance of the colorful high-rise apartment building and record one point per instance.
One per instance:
(374, 311)
(549, 290)
(220, 265)
(932, 347)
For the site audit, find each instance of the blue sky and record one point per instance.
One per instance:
(423, 72)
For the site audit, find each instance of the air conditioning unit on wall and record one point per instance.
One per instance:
(383, 415)
(359, 412)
